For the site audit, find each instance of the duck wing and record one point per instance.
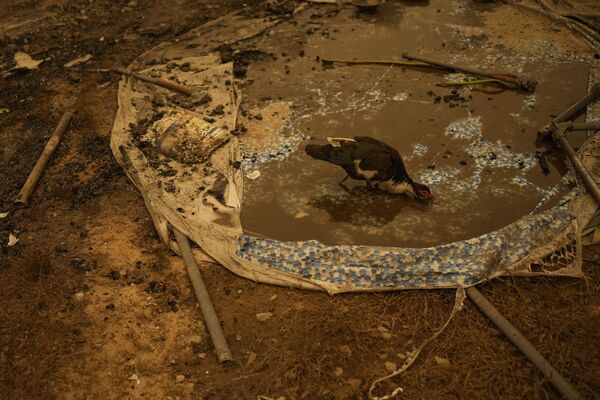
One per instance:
(382, 156)
(382, 163)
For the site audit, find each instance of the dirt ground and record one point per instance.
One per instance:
(93, 305)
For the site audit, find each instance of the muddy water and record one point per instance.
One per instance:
(476, 154)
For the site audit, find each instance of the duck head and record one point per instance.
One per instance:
(421, 191)
(411, 188)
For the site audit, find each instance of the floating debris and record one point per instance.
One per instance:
(402, 96)
(419, 149)
(529, 101)
(466, 128)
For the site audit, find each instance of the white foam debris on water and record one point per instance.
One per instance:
(529, 101)
(437, 176)
(486, 155)
(402, 96)
(419, 149)
(468, 128)
(456, 77)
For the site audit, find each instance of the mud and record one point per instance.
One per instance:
(474, 146)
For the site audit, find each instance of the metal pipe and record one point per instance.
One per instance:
(213, 324)
(581, 169)
(585, 126)
(35, 174)
(574, 110)
(559, 382)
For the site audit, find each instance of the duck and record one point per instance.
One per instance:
(371, 160)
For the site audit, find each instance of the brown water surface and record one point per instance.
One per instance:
(299, 198)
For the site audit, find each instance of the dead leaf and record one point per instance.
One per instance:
(442, 362)
(24, 60)
(12, 240)
(251, 359)
(78, 61)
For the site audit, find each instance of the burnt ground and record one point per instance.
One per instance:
(94, 306)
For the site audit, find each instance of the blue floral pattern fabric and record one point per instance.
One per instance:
(460, 263)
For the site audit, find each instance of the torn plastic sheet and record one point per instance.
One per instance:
(202, 196)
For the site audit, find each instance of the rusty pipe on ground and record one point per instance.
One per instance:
(33, 178)
(213, 324)
(559, 382)
(520, 83)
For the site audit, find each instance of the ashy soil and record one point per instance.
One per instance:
(93, 305)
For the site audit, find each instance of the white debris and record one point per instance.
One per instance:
(78, 61)
(253, 175)
(465, 128)
(195, 339)
(419, 149)
(529, 100)
(262, 317)
(135, 378)
(402, 96)
(12, 240)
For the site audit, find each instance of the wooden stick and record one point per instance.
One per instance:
(384, 62)
(23, 196)
(157, 81)
(520, 83)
